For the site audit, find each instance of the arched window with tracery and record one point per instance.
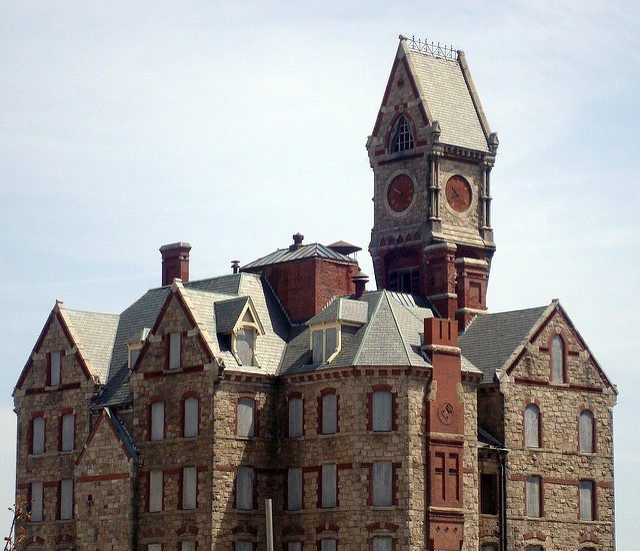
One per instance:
(401, 137)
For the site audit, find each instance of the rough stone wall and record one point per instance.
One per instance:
(558, 462)
(470, 466)
(491, 411)
(52, 466)
(489, 525)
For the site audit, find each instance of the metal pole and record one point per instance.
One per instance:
(269, 512)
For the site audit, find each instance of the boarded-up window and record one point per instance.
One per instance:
(586, 500)
(586, 431)
(55, 368)
(244, 488)
(134, 352)
(66, 499)
(329, 493)
(294, 489)
(532, 426)
(37, 427)
(317, 338)
(174, 350)
(557, 359)
(329, 413)
(188, 546)
(381, 411)
(533, 496)
(244, 546)
(382, 473)
(191, 417)
(296, 417)
(156, 483)
(157, 421)
(488, 494)
(382, 544)
(294, 546)
(244, 345)
(328, 545)
(331, 342)
(68, 432)
(154, 547)
(36, 501)
(189, 487)
(246, 414)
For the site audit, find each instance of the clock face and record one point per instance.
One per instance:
(458, 192)
(400, 193)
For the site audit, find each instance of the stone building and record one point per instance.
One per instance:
(405, 418)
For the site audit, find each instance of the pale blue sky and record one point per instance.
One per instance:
(124, 126)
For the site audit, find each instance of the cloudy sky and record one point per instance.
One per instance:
(124, 126)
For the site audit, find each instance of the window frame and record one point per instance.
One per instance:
(298, 397)
(540, 496)
(158, 476)
(184, 498)
(288, 489)
(253, 504)
(393, 408)
(391, 490)
(398, 143)
(324, 328)
(65, 414)
(185, 398)
(321, 411)
(322, 484)
(157, 400)
(170, 355)
(532, 406)
(558, 337)
(495, 495)
(586, 412)
(593, 512)
(245, 326)
(41, 501)
(254, 413)
(50, 368)
(32, 434)
(70, 498)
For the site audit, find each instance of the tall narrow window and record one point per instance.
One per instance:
(402, 139)
(245, 339)
(37, 501)
(156, 490)
(246, 417)
(331, 342)
(382, 543)
(329, 489)
(382, 484)
(294, 489)
(557, 360)
(56, 363)
(533, 496)
(488, 494)
(587, 502)
(586, 432)
(188, 546)
(174, 350)
(191, 414)
(328, 545)
(37, 435)
(189, 487)
(381, 412)
(66, 499)
(134, 352)
(244, 488)
(329, 413)
(67, 443)
(157, 421)
(296, 417)
(532, 426)
(317, 338)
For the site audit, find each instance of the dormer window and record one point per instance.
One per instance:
(325, 344)
(134, 345)
(245, 342)
(134, 352)
(401, 137)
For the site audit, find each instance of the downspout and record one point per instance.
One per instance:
(503, 499)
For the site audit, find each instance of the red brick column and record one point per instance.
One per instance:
(441, 278)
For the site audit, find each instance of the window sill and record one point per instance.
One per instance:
(294, 511)
(384, 507)
(246, 511)
(382, 431)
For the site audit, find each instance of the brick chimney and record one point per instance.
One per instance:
(175, 262)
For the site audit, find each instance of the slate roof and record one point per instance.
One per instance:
(227, 313)
(342, 309)
(449, 99)
(310, 250)
(490, 339)
(123, 433)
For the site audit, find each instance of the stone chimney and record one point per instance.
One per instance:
(175, 262)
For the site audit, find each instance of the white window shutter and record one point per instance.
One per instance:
(246, 421)
(68, 432)
(157, 421)
(533, 496)
(66, 499)
(557, 360)
(331, 342)
(189, 487)
(294, 489)
(191, 417)
(329, 495)
(56, 361)
(329, 414)
(295, 417)
(381, 412)
(317, 338)
(382, 544)
(383, 484)
(244, 488)
(38, 435)
(328, 545)
(586, 431)
(586, 500)
(37, 501)
(188, 546)
(532, 426)
(244, 346)
(155, 491)
(174, 350)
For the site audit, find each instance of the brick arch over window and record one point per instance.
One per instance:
(401, 134)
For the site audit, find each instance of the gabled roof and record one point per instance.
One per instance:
(228, 314)
(311, 250)
(490, 339)
(119, 431)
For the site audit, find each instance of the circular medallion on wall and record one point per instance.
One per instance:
(400, 193)
(458, 193)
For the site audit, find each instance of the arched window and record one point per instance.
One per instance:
(401, 138)
(532, 426)
(557, 359)
(586, 431)
(245, 345)
(190, 426)
(157, 421)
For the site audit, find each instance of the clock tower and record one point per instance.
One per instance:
(431, 152)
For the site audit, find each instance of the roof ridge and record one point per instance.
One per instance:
(356, 356)
(512, 311)
(395, 320)
(90, 312)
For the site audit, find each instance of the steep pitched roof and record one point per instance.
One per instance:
(342, 309)
(490, 339)
(311, 250)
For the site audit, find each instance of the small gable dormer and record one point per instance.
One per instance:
(238, 319)
(134, 345)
